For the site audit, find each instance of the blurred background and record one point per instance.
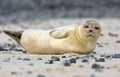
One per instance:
(46, 14)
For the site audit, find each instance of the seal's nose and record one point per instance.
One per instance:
(90, 30)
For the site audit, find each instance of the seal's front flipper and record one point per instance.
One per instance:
(58, 33)
(16, 35)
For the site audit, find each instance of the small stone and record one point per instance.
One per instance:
(9, 39)
(92, 75)
(55, 58)
(15, 49)
(112, 35)
(85, 60)
(31, 64)
(98, 70)
(2, 49)
(19, 58)
(63, 56)
(108, 67)
(95, 66)
(104, 55)
(100, 60)
(26, 59)
(39, 58)
(13, 73)
(116, 56)
(77, 57)
(101, 34)
(29, 72)
(108, 57)
(24, 51)
(72, 60)
(94, 52)
(100, 45)
(91, 55)
(49, 62)
(40, 75)
(7, 60)
(66, 63)
(118, 41)
(81, 66)
(85, 57)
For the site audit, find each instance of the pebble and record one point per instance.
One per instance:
(49, 62)
(24, 51)
(93, 52)
(100, 45)
(13, 73)
(118, 41)
(81, 66)
(85, 57)
(91, 55)
(77, 57)
(39, 58)
(92, 75)
(7, 59)
(31, 64)
(95, 66)
(101, 34)
(105, 55)
(26, 59)
(66, 63)
(108, 57)
(63, 56)
(116, 56)
(112, 35)
(40, 75)
(108, 67)
(19, 58)
(85, 60)
(100, 60)
(29, 72)
(55, 58)
(72, 60)
(16, 49)
(1, 49)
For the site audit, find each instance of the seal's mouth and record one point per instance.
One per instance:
(91, 35)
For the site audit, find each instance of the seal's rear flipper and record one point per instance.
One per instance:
(16, 35)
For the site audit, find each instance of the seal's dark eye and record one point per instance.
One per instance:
(86, 26)
(96, 28)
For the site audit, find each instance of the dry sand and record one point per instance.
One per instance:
(104, 63)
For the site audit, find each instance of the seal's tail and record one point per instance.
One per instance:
(16, 35)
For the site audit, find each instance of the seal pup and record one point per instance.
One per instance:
(80, 39)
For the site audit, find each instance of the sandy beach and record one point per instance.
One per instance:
(104, 61)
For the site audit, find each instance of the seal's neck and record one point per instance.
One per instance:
(81, 38)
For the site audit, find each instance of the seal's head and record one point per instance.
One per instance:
(91, 30)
